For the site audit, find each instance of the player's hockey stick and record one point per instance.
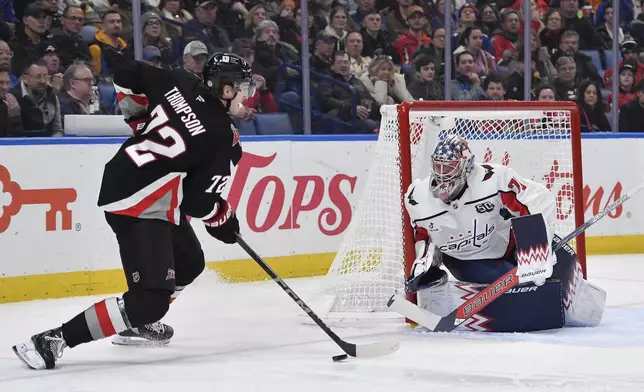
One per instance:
(354, 350)
(436, 323)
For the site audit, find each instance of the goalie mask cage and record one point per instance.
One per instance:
(540, 140)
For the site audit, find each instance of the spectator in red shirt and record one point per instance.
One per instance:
(629, 53)
(627, 90)
(508, 38)
(414, 36)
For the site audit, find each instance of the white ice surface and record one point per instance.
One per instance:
(248, 337)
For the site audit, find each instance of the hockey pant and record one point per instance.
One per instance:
(159, 259)
(565, 299)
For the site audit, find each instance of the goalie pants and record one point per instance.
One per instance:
(157, 258)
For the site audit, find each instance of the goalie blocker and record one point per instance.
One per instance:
(565, 299)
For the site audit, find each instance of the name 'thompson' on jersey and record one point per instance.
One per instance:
(476, 225)
(179, 160)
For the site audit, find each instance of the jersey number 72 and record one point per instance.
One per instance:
(146, 151)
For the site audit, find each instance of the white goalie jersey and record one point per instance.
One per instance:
(476, 225)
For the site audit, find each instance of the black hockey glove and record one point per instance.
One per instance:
(224, 225)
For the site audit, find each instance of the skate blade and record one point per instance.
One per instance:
(28, 354)
(119, 340)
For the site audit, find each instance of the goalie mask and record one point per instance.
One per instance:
(229, 69)
(452, 162)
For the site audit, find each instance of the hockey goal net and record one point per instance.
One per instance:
(540, 140)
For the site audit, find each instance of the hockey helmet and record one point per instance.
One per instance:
(452, 162)
(223, 69)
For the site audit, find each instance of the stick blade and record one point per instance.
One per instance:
(371, 350)
(402, 306)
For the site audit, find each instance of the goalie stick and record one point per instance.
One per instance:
(436, 323)
(354, 350)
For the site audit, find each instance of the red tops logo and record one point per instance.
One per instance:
(331, 220)
(57, 199)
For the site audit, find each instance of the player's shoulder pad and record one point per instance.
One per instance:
(418, 191)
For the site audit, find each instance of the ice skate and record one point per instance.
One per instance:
(42, 350)
(155, 334)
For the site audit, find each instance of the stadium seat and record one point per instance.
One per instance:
(609, 58)
(594, 55)
(273, 124)
(107, 96)
(245, 127)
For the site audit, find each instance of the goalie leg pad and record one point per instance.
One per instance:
(524, 308)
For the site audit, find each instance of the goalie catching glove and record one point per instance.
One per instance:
(224, 224)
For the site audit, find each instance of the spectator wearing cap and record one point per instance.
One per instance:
(630, 52)
(505, 42)
(152, 54)
(385, 85)
(255, 16)
(395, 17)
(337, 101)
(110, 48)
(39, 106)
(413, 37)
(359, 63)
(52, 60)
(338, 25)
(627, 87)
(203, 28)
(569, 46)
(194, 58)
(270, 52)
(605, 28)
(10, 121)
(574, 20)
(466, 86)
(631, 115)
(320, 61)
(6, 54)
(29, 41)
(154, 35)
(172, 10)
(375, 38)
(591, 107)
(77, 91)
(472, 42)
(426, 85)
(67, 39)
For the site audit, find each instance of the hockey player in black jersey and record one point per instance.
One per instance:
(176, 164)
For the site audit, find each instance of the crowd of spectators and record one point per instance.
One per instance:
(55, 54)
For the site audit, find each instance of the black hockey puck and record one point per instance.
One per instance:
(339, 358)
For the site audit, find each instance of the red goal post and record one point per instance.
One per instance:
(540, 140)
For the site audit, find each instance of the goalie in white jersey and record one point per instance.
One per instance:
(461, 216)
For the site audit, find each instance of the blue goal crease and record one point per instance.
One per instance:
(70, 140)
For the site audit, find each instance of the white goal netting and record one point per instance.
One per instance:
(369, 266)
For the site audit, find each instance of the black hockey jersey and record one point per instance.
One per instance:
(178, 161)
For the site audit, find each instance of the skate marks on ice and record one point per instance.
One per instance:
(620, 327)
